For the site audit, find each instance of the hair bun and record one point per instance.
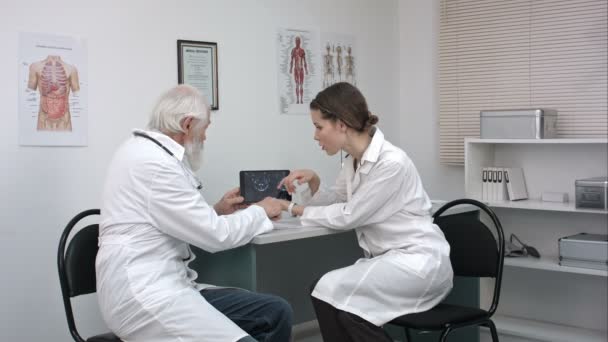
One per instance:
(372, 120)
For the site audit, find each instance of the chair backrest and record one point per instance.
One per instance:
(474, 250)
(76, 264)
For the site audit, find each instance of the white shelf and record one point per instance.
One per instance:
(531, 204)
(551, 264)
(544, 331)
(549, 165)
(537, 141)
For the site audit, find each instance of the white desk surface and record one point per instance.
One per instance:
(279, 235)
(287, 234)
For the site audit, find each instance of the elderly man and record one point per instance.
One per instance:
(152, 210)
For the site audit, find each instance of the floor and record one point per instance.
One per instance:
(312, 338)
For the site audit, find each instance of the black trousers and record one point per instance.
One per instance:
(341, 326)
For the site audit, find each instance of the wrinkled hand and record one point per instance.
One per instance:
(284, 204)
(230, 202)
(301, 177)
(272, 207)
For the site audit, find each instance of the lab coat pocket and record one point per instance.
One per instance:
(420, 265)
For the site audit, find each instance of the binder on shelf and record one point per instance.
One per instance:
(494, 186)
(501, 184)
(484, 184)
(516, 184)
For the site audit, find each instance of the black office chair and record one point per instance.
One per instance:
(77, 270)
(474, 252)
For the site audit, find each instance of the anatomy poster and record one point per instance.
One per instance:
(52, 90)
(339, 56)
(298, 69)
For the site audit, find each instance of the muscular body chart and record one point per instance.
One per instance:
(298, 67)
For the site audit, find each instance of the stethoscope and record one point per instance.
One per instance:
(197, 183)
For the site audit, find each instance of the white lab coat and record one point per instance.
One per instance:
(406, 268)
(151, 211)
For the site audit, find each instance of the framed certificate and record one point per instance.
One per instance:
(197, 66)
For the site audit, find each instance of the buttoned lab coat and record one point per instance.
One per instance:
(151, 211)
(407, 267)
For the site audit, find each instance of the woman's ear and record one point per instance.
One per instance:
(342, 126)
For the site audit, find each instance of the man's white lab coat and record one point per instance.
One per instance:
(407, 266)
(151, 211)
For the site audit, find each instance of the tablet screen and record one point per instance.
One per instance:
(259, 184)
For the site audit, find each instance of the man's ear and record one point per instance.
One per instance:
(187, 123)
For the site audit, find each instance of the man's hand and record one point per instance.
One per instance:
(230, 202)
(272, 206)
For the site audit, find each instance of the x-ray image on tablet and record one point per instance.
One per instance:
(259, 184)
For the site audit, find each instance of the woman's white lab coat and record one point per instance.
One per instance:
(151, 210)
(406, 268)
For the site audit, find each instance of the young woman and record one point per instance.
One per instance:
(379, 194)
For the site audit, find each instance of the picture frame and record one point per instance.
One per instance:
(197, 66)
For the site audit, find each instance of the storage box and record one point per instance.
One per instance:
(584, 250)
(592, 193)
(518, 124)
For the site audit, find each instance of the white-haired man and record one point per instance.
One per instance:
(152, 210)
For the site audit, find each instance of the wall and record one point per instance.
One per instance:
(419, 98)
(132, 59)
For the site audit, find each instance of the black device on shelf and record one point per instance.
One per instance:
(259, 184)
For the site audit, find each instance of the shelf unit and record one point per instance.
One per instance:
(551, 264)
(535, 204)
(538, 141)
(543, 331)
(548, 165)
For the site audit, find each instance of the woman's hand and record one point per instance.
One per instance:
(296, 210)
(230, 202)
(301, 176)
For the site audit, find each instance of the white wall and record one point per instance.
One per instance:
(132, 59)
(419, 98)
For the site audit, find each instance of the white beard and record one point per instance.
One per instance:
(194, 154)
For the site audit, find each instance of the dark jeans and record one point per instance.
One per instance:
(266, 318)
(341, 326)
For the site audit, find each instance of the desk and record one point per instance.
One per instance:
(281, 262)
(285, 262)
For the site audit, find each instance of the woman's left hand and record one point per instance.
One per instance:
(230, 202)
(296, 210)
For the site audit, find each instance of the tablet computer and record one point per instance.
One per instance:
(259, 184)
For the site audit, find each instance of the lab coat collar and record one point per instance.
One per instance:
(175, 148)
(372, 152)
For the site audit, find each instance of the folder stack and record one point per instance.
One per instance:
(501, 184)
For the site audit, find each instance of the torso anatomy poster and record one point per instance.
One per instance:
(298, 64)
(52, 90)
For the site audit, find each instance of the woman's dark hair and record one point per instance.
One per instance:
(343, 101)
